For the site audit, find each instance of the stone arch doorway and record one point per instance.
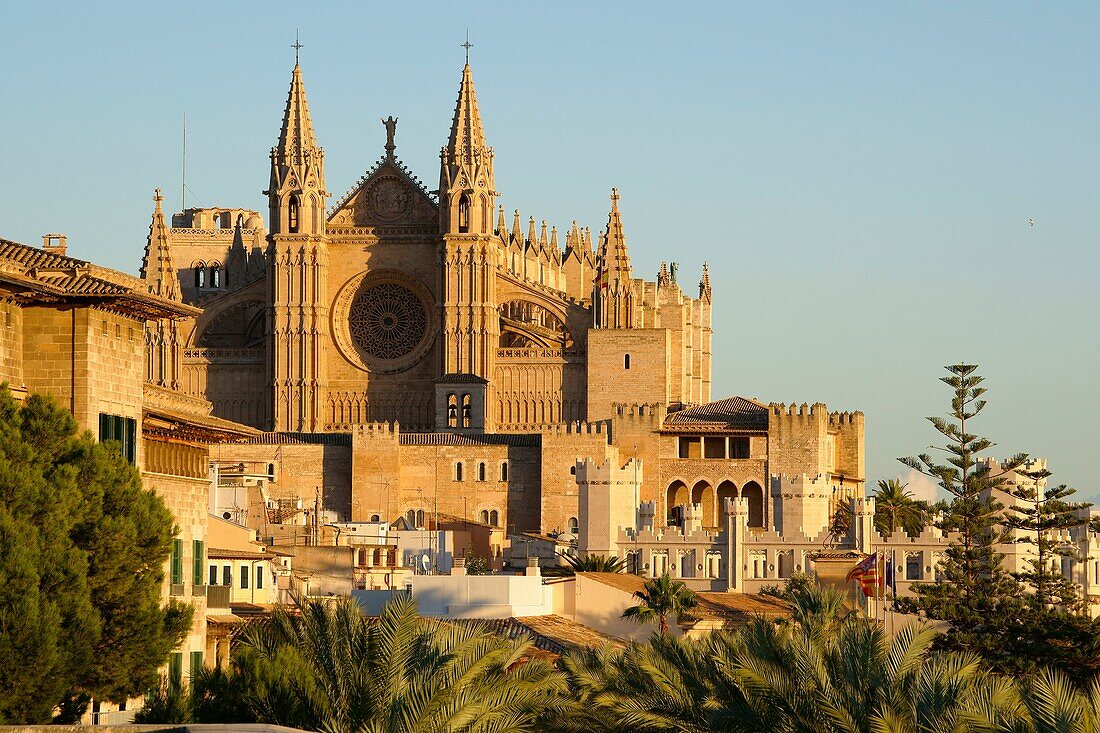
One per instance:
(726, 490)
(703, 495)
(675, 498)
(754, 497)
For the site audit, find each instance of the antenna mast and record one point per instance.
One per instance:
(183, 206)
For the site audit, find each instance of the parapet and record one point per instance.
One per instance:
(635, 409)
(781, 409)
(577, 427)
(800, 484)
(845, 418)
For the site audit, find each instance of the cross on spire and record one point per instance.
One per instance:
(297, 46)
(467, 45)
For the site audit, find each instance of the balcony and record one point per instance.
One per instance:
(217, 596)
(177, 589)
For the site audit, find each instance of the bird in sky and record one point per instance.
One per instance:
(1031, 222)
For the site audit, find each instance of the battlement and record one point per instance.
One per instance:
(590, 471)
(845, 418)
(801, 484)
(577, 427)
(634, 409)
(864, 506)
(781, 409)
(372, 429)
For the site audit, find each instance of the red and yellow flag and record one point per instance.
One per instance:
(866, 572)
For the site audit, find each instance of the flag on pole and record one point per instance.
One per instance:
(866, 572)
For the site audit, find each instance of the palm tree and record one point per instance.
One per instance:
(594, 563)
(895, 507)
(660, 598)
(335, 670)
(1055, 705)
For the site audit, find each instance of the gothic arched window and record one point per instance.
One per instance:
(467, 411)
(481, 472)
(200, 275)
(452, 411)
(215, 276)
(494, 518)
(463, 214)
(293, 213)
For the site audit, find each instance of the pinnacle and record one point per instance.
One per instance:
(467, 139)
(156, 266)
(296, 138)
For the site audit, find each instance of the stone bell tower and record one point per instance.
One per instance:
(297, 270)
(466, 204)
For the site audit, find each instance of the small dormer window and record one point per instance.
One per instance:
(463, 214)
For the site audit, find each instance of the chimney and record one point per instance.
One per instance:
(532, 567)
(458, 567)
(54, 243)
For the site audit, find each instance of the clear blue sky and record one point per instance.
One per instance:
(860, 176)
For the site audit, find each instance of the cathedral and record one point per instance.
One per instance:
(405, 350)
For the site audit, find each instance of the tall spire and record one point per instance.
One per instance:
(296, 138)
(156, 266)
(614, 288)
(296, 192)
(705, 290)
(466, 193)
(467, 141)
(613, 254)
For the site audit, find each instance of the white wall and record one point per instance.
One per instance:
(481, 596)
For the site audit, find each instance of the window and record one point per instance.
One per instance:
(260, 577)
(177, 561)
(484, 516)
(504, 472)
(458, 472)
(213, 575)
(375, 518)
(494, 518)
(420, 518)
(481, 472)
(463, 214)
(244, 577)
(293, 214)
(467, 411)
(452, 411)
(200, 275)
(122, 429)
(912, 566)
(215, 276)
(196, 664)
(227, 575)
(714, 447)
(739, 447)
(572, 470)
(175, 670)
(626, 361)
(689, 447)
(574, 525)
(197, 561)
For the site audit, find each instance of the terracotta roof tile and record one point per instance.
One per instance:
(732, 412)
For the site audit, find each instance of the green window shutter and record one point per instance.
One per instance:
(129, 441)
(104, 427)
(177, 561)
(175, 670)
(197, 562)
(259, 577)
(244, 576)
(196, 664)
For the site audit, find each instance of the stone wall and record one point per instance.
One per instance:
(626, 365)
(11, 343)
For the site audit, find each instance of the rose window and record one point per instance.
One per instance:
(387, 321)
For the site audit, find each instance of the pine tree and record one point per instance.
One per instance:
(976, 592)
(1039, 513)
(82, 547)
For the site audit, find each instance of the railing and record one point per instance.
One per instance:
(217, 596)
(527, 354)
(177, 589)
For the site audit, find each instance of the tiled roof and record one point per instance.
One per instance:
(551, 633)
(299, 439)
(738, 606)
(732, 412)
(51, 277)
(521, 440)
(622, 581)
(461, 378)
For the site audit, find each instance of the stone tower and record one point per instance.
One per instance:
(297, 270)
(466, 205)
(162, 342)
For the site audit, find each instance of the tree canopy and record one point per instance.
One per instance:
(82, 549)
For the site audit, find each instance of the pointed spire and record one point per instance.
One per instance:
(663, 278)
(543, 241)
(531, 232)
(501, 229)
(296, 138)
(554, 238)
(156, 266)
(613, 254)
(466, 144)
(704, 284)
(517, 233)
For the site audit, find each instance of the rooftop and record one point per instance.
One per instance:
(732, 413)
